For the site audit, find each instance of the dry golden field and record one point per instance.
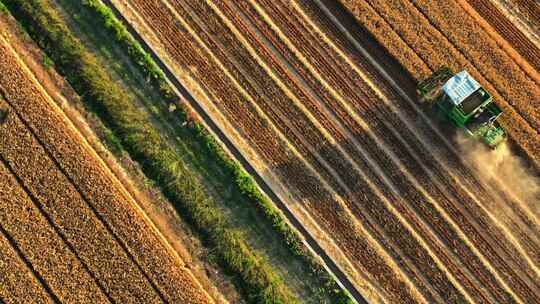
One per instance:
(69, 230)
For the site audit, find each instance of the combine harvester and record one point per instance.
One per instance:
(460, 99)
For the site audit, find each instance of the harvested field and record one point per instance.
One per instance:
(411, 221)
(78, 230)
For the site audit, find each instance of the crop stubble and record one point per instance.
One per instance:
(90, 212)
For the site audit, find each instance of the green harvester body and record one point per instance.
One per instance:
(463, 102)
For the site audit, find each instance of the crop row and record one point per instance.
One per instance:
(22, 273)
(462, 173)
(109, 202)
(508, 30)
(47, 255)
(382, 132)
(17, 281)
(517, 85)
(287, 166)
(407, 35)
(67, 210)
(330, 155)
(353, 182)
(421, 176)
(145, 145)
(364, 109)
(62, 155)
(528, 10)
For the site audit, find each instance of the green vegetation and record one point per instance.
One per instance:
(132, 130)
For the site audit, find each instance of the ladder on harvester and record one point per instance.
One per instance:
(430, 88)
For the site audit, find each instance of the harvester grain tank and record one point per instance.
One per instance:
(465, 103)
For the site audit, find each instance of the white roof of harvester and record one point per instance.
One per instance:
(460, 86)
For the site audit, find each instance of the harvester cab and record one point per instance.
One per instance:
(465, 103)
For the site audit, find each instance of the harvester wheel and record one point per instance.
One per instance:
(3, 115)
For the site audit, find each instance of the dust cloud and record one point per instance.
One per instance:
(506, 168)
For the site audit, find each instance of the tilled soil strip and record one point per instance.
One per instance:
(126, 242)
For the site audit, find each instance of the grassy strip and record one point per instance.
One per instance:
(243, 181)
(145, 145)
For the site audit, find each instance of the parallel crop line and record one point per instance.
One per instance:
(397, 134)
(283, 138)
(378, 66)
(362, 123)
(319, 126)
